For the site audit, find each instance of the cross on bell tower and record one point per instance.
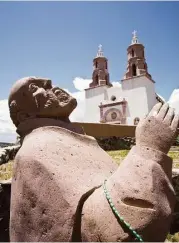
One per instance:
(100, 51)
(134, 37)
(100, 74)
(136, 65)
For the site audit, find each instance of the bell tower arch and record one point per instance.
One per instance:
(100, 74)
(136, 65)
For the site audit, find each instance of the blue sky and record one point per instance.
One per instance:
(58, 40)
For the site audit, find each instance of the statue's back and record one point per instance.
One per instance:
(54, 168)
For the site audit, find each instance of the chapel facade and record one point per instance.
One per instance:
(127, 102)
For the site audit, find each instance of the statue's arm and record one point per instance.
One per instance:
(140, 189)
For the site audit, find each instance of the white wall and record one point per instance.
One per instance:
(139, 93)
(151, 94)
(142, 82)
(116, 91)
(93, 99)
(137, 105)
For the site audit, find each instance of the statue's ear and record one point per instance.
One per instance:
(17, 115)
(13, 109)
(13, 106)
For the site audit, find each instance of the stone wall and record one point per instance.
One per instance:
(99, 130)
(8, 153)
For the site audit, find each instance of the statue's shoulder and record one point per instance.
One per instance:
(25, 154)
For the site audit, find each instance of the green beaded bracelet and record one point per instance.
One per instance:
(137, 236)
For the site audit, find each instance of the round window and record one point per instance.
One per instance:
(113, 115)
(113, 98)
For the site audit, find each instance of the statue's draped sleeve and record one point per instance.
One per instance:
(141, 191)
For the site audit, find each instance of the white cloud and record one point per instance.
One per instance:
(81, 83)
(174, 100)
(116, 84)
(78, 113)
(7, 129)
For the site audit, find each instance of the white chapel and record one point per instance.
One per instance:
(125, 104)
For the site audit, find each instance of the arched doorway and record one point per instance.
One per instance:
(96, 80)
(132, 53)
(134, 73)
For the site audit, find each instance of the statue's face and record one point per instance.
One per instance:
(51, 101)
(35, 97)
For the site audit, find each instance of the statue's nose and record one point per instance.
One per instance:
(40, 92)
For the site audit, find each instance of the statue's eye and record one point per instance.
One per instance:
(33, 88)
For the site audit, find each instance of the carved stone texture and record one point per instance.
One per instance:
(5, 207)
(58, 173)
(35, 97)
(141, 188)
(65, 168)
(175, 222)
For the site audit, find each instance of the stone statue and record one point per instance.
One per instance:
(57, 188)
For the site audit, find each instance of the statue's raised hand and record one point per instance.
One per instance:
(158, 129)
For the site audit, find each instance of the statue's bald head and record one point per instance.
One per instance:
(35, 97)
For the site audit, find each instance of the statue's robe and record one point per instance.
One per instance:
(57, 193)
(54, 168)
(141, 191)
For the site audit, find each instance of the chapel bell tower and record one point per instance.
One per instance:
(136, 65)
(100, 74)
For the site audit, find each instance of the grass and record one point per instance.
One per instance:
(6, 170)
(118, 155)
(174, 155)
(173, 238)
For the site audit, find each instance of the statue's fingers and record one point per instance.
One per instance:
(155, 110)
(175, 122)
(163, 111)
(169, 116)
